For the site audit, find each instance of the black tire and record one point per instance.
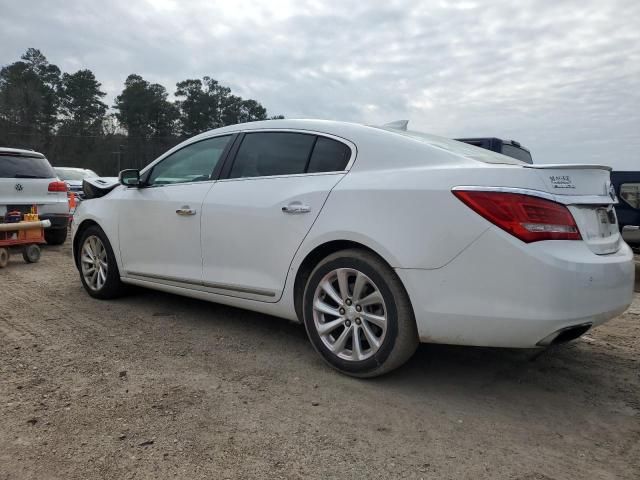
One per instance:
(112, 287)
(401, 338)
(4, 257)
(55, 236)
(31, 253)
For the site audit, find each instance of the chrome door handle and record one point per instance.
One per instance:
(296, 208)
(185, 211)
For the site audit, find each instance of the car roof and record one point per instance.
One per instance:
(21, 152)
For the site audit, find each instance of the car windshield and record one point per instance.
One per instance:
(74, 173)
(19, 166)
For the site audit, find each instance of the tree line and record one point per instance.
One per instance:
(64, 115)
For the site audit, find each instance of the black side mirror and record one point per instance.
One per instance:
(130, 178)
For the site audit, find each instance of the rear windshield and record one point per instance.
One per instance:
(74, 174)
(14, 166)
(459, 148)
(515, 152)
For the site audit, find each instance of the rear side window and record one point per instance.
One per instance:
(329, 156)
(272, 153)
(15, 166)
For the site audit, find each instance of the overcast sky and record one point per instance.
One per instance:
(562, 77)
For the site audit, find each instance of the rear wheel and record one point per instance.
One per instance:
(358, 315)
(55, 236)
(97, 264)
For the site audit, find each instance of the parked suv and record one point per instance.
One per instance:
(27, 179)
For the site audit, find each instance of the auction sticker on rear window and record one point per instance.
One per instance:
(562, 181)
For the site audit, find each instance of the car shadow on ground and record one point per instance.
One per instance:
(469, 372)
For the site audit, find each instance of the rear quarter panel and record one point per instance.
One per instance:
(409, 215)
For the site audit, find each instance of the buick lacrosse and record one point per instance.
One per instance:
(375, 238)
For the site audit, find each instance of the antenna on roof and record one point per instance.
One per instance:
(397, 125)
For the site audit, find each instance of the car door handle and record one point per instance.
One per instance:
(185, 211)
(296, 208)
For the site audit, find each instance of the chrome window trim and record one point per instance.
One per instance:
(199, 138)
(564, 199)
(314, 174)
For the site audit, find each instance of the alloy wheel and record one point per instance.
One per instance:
(349, 314)
(93, 259)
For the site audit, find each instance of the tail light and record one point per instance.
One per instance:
(528, 218)
(58, 187)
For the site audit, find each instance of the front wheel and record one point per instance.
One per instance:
(97, 264)
(358, 315)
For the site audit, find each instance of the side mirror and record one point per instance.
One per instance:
(130, 178)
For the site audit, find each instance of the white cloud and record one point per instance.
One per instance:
(561, 77)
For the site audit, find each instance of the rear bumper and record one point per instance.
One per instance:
(500, 292)
(58, 220)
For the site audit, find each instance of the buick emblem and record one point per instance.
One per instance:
(18, 187)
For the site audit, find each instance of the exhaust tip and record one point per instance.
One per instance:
(564, 335)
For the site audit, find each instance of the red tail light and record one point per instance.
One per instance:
(528, 218)
(58, 187)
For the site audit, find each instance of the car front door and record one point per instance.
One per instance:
(159, 224)
(255, 219)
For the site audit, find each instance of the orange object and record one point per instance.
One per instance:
(72, 200)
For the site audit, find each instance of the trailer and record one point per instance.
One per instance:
(23, 235)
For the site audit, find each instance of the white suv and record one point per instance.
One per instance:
(27, 179)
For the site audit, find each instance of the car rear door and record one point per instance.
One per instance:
(255, 219)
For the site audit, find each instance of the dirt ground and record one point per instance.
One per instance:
(159, 386)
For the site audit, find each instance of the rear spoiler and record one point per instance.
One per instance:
(569, 166)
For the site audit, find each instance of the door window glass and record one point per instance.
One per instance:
(193, 163)
(272, 153)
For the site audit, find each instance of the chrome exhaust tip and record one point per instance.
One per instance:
(564, 335)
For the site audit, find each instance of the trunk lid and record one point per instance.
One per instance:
(587, 192)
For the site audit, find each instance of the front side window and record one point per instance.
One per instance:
(263, 154)
(193, 163)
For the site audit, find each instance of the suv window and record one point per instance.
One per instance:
(18, 166)
(193, 163)
(630, 193)
(329, 156)
(272, 153)
(515, 152)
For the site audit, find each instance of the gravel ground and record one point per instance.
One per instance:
(158, 386)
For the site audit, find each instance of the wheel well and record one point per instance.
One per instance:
(76, 239)
(312, 259)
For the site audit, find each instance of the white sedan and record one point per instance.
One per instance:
(375, 238)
